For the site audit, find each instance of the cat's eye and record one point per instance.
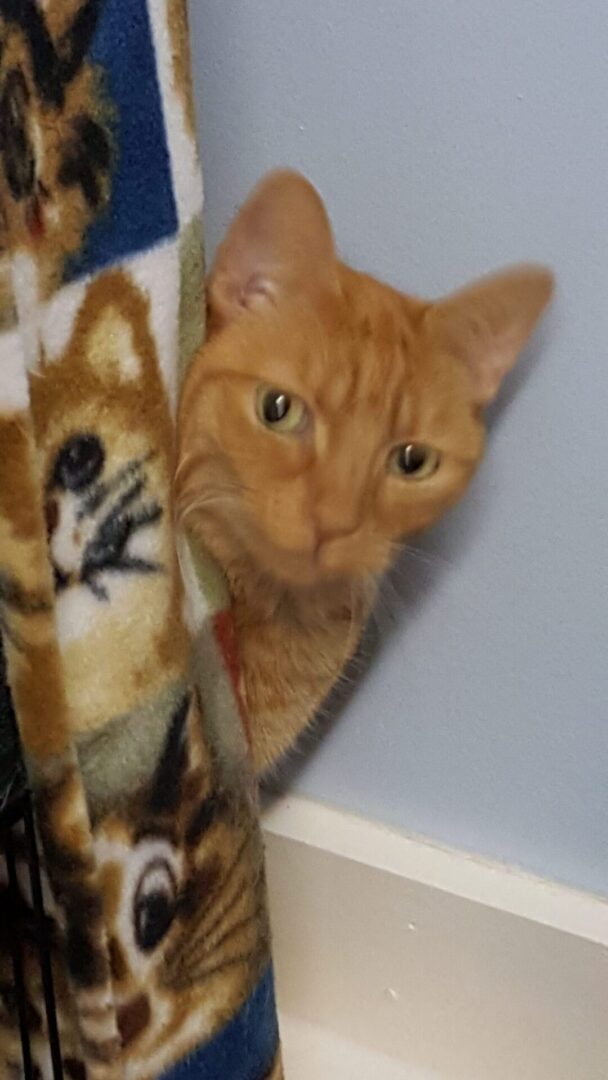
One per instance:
(280, 411)
(414, 461)
(155, 904)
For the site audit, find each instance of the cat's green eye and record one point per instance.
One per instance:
(414, 461)
(279, 410)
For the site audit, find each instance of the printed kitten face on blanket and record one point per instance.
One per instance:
(55, 154)
(104, 431)
(184, 904)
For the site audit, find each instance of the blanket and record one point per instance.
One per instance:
(117, 636)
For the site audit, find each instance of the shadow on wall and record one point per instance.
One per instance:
(415, 574)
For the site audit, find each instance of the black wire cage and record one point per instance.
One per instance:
(23, 921)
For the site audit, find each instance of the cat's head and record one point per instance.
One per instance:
(330, 416)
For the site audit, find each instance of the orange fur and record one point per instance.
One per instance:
(305, 522)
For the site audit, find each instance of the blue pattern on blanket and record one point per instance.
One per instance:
(142, 207)
(244, 1049)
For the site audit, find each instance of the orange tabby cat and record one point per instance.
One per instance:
(327, 417)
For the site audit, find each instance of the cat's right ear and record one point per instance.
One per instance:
(487, 324)
(279, 244)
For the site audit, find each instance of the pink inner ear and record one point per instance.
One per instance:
(487, 373)
(230, 295)
(489, 358)
(256, 290)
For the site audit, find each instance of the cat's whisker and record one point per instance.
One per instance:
(424, 555)
(386, 598)
(389, 597)
(353, 627)
(186, 508)
(203, 491)
(186, 461)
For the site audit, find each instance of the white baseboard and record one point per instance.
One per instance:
(399, 959)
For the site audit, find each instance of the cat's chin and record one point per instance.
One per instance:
(306, 578)
(292, 571)
(307, 572)
(310, 569)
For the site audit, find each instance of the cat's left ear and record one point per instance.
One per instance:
(487, 324)
(280, 244)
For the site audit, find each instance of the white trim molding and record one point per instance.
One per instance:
(399, 958)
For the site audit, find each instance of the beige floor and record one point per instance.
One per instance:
(311, 1053)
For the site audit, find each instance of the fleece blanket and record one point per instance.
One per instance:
(116, 635)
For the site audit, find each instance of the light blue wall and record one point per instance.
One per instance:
(449, 137)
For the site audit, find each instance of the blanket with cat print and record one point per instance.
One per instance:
(117, 637)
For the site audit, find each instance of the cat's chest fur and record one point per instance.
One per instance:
(294, 646)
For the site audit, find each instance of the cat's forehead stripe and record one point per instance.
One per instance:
(368, 364)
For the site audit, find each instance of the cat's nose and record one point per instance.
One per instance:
(78, 463)
(335, 517)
